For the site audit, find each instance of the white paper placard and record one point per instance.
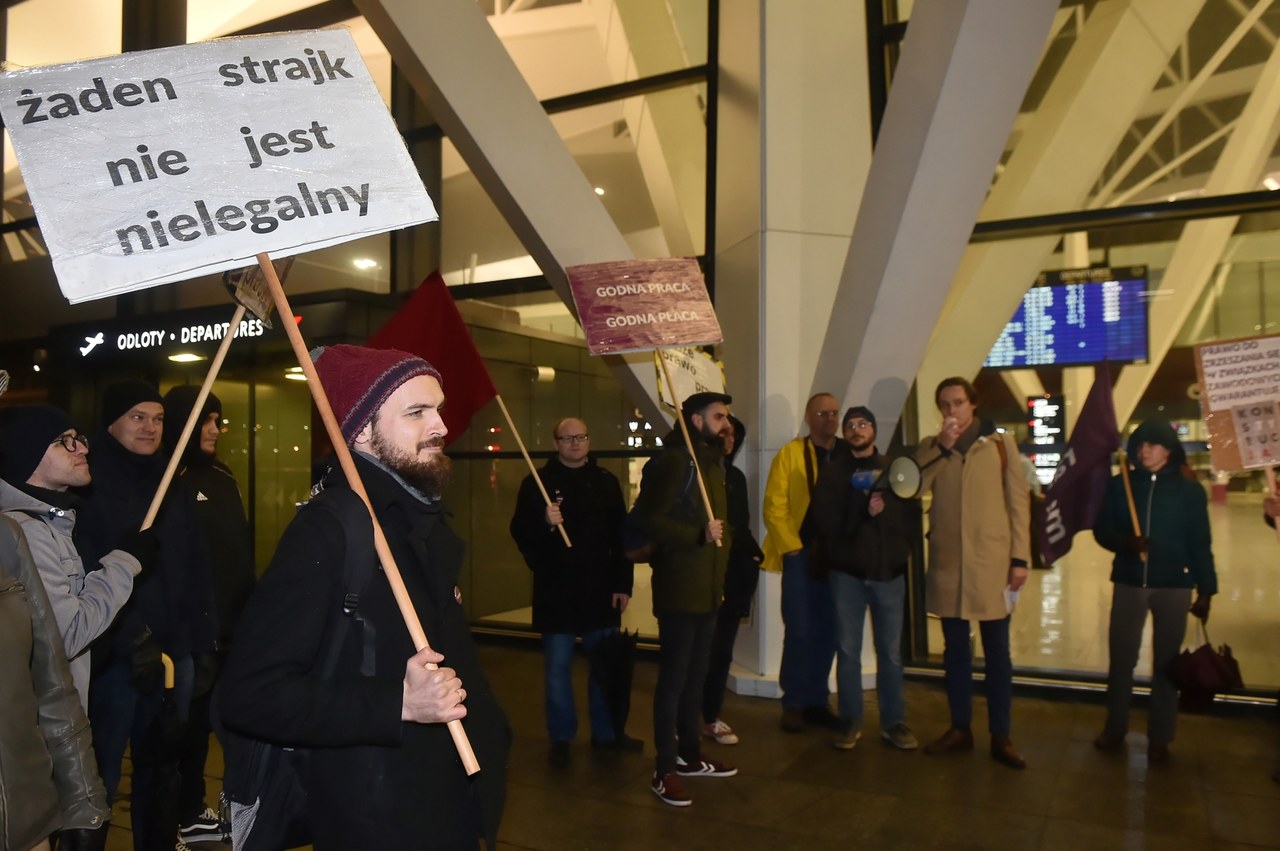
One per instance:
(162, 165)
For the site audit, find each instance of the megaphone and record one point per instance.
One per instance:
(901, 478)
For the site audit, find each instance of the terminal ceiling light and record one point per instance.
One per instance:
(294, 373)
(186, 357)
(599, 190)
(364, 264)
(1271, 183)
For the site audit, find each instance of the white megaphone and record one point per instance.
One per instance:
(902, 478)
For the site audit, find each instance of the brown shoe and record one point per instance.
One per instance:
(952, 740)
(1108, 743)
(1002, 751)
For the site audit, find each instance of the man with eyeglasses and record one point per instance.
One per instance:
(42, 456)
(865, 543)
(579, 591)
(808, 616)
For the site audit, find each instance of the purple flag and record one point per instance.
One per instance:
(1072, 501)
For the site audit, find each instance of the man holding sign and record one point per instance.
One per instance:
(689, 562)
(382, 771)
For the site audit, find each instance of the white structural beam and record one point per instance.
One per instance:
(1115, 62)
(450, 55)
(1201, 245)
(964, 70)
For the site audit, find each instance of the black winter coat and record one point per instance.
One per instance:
(374, 781)
(743, 573)
(874, 549)
(573, 587)
(175, 598)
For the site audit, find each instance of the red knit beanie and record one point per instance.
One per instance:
(358, 380)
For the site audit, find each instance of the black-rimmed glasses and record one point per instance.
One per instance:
(574, 438)
(69, 441)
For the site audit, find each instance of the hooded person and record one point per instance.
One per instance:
(42, 456)
(211, 489)
(1154, 570)
(382, 771)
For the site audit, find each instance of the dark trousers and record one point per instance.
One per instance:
(728, 617)
(808, 635)
(1129, 607)
(957, 662)
(684, 652)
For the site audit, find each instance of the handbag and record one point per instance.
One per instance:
(1201, 673)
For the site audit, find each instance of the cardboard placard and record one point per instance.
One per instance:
(1240, 401)
(692, 371)
(638, 305)
(169, 164)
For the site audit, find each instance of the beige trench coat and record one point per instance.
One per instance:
(977, 526)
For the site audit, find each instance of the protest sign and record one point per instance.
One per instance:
(167, 164)
(637, 305)
(1239, 399)
(691, 371)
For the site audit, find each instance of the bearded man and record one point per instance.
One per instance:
(691, 554)
(382, 771)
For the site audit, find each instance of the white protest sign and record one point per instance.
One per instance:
(1239, 395)
(168, 164)
(692, 371)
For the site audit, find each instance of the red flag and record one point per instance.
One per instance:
(1072, 501)
(429, 325)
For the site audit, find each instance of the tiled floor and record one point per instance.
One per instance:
(796, 792)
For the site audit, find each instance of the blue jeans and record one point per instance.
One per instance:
(562, 715)
(957, 662)
(887, 601)
(809, 635)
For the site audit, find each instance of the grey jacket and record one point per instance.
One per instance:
(48, 778)
(83, 604)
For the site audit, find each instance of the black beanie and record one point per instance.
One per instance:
(178, 403)
(26, 432)
(860, 411)
(119, 398)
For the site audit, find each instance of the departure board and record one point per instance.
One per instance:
(1075, 317)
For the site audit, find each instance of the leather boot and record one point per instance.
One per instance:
(954, 739)
(1002, 751)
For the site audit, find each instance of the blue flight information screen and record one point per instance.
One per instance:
(1075, 317)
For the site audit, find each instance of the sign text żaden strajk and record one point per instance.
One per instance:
(168, 164)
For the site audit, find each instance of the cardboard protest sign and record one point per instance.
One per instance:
(637, 305)
(1240, 401)
(168, 164)
(691, 371)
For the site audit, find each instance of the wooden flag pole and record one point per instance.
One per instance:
(545, 496)
(389, 566)
(190, 425)
(1128, 495)
(688, 441)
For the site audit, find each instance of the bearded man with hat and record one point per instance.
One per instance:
(691, 556)
(383, 771)
(42, 456)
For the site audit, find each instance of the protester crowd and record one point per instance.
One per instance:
(135, 622)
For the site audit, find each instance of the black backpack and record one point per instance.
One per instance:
(636, 545)
(265, 782)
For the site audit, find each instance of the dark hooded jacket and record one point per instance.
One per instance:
(874, 549)
(743, 573)
(219, 509)
(573, 587)
(1172, 513)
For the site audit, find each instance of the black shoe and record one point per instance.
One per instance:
(822, 716)
(558, 756)
(792, 720)
(623, 743)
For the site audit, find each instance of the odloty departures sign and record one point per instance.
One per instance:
(162, 165)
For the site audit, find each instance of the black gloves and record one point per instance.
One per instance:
(1200, 608)
(146, 671)
(142, 546)
(1135, 545)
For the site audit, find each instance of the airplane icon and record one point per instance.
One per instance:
(93, 342)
